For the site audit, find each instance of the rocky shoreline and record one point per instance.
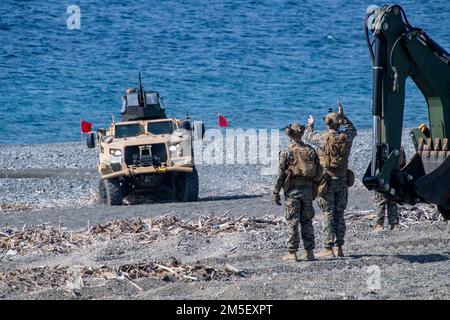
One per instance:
(227, 245)
(64, 175)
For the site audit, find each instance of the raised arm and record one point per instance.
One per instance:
(312, 137)
(349, 128)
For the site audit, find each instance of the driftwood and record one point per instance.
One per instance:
(44, 238)
(9, 207)
(407, 215)
(75, 278)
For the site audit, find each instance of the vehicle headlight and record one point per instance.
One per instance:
(173, 148)
(115, 152)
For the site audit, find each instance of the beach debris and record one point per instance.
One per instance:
(77, 278)
(150, 229)
(41, 239)
(45, 238)
(417, 214)
(11, 252)
(75, 281)
(10, 207)
(407, 215)
(232, 270)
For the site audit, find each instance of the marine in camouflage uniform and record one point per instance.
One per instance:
(333, 200)
(382, 204)
(298, 192)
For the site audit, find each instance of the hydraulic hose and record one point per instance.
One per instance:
(391, 54)
(369, 44)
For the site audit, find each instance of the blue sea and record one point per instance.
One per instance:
(262, 64)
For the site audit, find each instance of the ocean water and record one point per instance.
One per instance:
(262, 64)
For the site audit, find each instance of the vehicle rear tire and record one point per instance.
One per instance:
(188, 186)
(110, 192)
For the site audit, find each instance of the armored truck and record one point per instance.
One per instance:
(146, 151)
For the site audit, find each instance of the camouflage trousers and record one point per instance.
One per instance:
(333, 204)
(299, 210)
(383, 204)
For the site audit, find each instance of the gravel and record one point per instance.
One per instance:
(64, 175)
(57, 155)
(413, 264)
(57, 184)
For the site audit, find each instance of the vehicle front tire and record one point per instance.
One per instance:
(110, 192)
(188, 186)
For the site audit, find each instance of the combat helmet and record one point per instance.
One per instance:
(333, 119)
(294, 130)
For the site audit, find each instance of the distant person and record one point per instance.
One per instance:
(382, 204)
(333, 148)
(298, 169)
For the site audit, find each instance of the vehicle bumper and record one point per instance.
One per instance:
(145, 170)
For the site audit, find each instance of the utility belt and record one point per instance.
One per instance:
(301, 181)
(335, 174)
(296, 181)
(328, 175)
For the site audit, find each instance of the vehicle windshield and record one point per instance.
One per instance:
(127, 130)
(164, 127)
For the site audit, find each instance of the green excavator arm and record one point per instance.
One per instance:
(399, 51)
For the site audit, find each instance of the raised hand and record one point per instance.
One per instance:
(340, 108)
(310, 120)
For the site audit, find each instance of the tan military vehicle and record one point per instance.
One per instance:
(146, 151)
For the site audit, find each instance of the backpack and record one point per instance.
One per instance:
(336, 151)
(305, 161)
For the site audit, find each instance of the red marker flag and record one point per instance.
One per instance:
(86, 127)
(222, 121)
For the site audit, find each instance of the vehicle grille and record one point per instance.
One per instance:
(145, 155)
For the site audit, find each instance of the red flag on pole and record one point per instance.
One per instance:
(86, 127)
(222, 121)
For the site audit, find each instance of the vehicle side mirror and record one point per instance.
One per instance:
(185, 124)
(90, 140)
(101, 131)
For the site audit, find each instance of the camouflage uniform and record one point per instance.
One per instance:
(334, 201)
(383, 203)
(298, 204)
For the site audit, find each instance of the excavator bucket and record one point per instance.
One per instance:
(434, 185)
